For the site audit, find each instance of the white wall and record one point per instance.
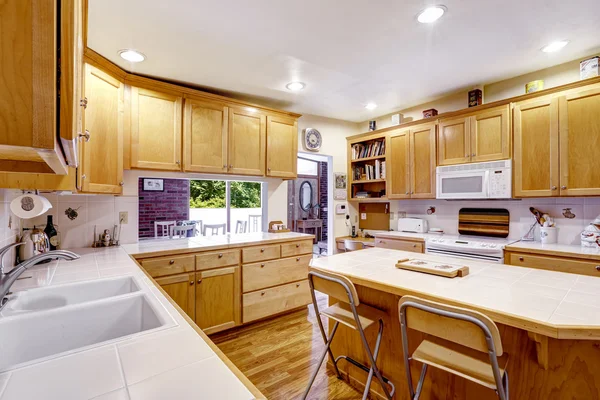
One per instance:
(446, 215)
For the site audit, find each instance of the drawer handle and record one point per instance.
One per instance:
(297, 258)
(220, 255)
(262, 250)
(414, 245)
(171, 262)
(297, 245)
(297, 285)
(192, 282)
(262, 265)
(521, 259)
(262, 293)
(597, 267)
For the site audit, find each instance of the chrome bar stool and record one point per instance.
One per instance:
(473, 332)
(351, 313)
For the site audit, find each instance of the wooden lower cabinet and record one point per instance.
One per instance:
(400, 244)
(218, 299)
(553, 263)
(182, 289)
(267, 302)
(276, 272)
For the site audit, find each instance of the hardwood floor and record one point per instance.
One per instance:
(279, 355)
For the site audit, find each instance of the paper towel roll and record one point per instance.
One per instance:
(29, 206)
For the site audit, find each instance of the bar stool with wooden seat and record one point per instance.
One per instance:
(351, 245)
(466, 336)
(354, 315)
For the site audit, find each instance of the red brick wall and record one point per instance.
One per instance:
(171, 205)
(323, 197)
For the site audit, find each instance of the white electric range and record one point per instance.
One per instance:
(468, 247)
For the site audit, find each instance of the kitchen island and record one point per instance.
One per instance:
(549, 323)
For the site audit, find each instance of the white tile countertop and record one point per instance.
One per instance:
(170, 362)
(555, 304)
(200, 243)
(565, 250)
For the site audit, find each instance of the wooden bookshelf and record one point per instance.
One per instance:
(361, 167)
(368, 159)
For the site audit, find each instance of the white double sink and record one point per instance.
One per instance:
(47, 322)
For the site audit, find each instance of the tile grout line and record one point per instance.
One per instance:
(122, 370)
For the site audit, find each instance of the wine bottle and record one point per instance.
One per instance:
(52, 234)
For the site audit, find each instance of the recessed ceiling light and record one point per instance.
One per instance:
(295, 86)
(132, 55)
(371, 106)
(431, 14)
(555, 46)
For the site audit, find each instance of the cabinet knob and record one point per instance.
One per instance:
(407, 193)
(521, 259)
(563, 188)
(178, 162)
(83, 102)
(268, 169)
(262, 265)
(466, 156)
(199, 281)
(262, 250)
(85, 136)
(171, 262)
(297, 258)
(262, 293)
(230, 166)
(220, 255)
(225, 166)
(473, 155)
(121, 183)
(414, 245)
(297, 285)
(597, 267)
(553, 188)
(192, 282)
(297, 245)
(412, 192)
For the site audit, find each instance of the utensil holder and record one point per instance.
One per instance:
(548, 235)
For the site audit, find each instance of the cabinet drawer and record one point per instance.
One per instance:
(395, 244)
(261, 253)
(264, 303)
(296, 248)
(168, 265)
(276, 272)
(553, 263)
(217, 259)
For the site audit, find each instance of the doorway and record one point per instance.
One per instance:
(310, 198)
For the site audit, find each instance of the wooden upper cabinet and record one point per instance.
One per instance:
(490, 135)
(101, 165)
(579, 132)
(205, 136)
(28, 109)
(536, 169)
(182, 289)
(247, 135)
(155, 130)
(422, 162)
(218, 299)
(398, 165)
(282, 147)
(454, 141)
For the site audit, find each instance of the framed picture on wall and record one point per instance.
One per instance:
(341, 182)
(154, 185)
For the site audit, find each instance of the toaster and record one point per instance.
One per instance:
(417, 225)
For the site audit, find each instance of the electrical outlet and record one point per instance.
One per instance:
(401, 214)
(392, 216)
(124, 216)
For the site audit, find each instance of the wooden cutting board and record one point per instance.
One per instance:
(433, 268)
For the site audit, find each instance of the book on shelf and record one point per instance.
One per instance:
(369, 172)
(370, 149)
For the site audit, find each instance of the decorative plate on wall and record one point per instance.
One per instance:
(312, 139)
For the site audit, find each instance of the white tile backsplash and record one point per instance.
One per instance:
(446, 214)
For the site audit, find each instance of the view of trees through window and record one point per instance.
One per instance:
(211, 194)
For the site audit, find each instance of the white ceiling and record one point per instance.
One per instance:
(349, 52)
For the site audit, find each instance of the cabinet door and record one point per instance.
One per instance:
(398, 165)
(579, 132)
(155, 130)
(422, 162)
(490, 135)
(247, 134)
(205, 136)
(536, 148)
(101, 166)
(453, 141)
(282, 147)
(182, 289)
(218, 299)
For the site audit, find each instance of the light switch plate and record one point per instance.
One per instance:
(124, 216)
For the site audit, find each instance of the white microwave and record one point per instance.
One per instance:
(487, 180)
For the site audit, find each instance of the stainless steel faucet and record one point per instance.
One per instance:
(8, 278)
